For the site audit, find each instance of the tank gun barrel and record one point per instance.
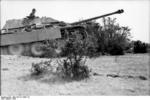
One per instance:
(94, 18)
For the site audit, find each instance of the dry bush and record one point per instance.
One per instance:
(73, 66)
(41, 67)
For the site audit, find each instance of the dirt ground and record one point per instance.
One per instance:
(111, 75)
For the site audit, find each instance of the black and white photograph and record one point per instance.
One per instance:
(74, 48)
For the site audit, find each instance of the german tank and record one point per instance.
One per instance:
(27, 35)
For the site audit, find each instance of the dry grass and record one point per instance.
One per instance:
(112, 75)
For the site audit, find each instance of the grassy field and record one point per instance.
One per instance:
(111, 75)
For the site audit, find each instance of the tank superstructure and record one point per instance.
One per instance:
(26, 36)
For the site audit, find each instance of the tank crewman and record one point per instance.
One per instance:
(28, 19)
(32, 14)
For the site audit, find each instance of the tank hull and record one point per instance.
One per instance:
(27, 43)
(27, 37)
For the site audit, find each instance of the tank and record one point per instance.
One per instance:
(26, 36)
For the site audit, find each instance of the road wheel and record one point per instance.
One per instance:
(16, 49)
(36, 49)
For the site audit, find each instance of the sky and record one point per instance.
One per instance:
(136, 15)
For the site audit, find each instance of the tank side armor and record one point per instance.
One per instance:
(27, 37)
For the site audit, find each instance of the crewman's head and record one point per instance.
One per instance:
(33, 10)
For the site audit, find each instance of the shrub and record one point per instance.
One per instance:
(116, 50)
(108, 37)
(74, 70)
(73, 66)
(40, 68)
(140, 47)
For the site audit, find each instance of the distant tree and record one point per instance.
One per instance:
(140, 47)
(109, 37)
